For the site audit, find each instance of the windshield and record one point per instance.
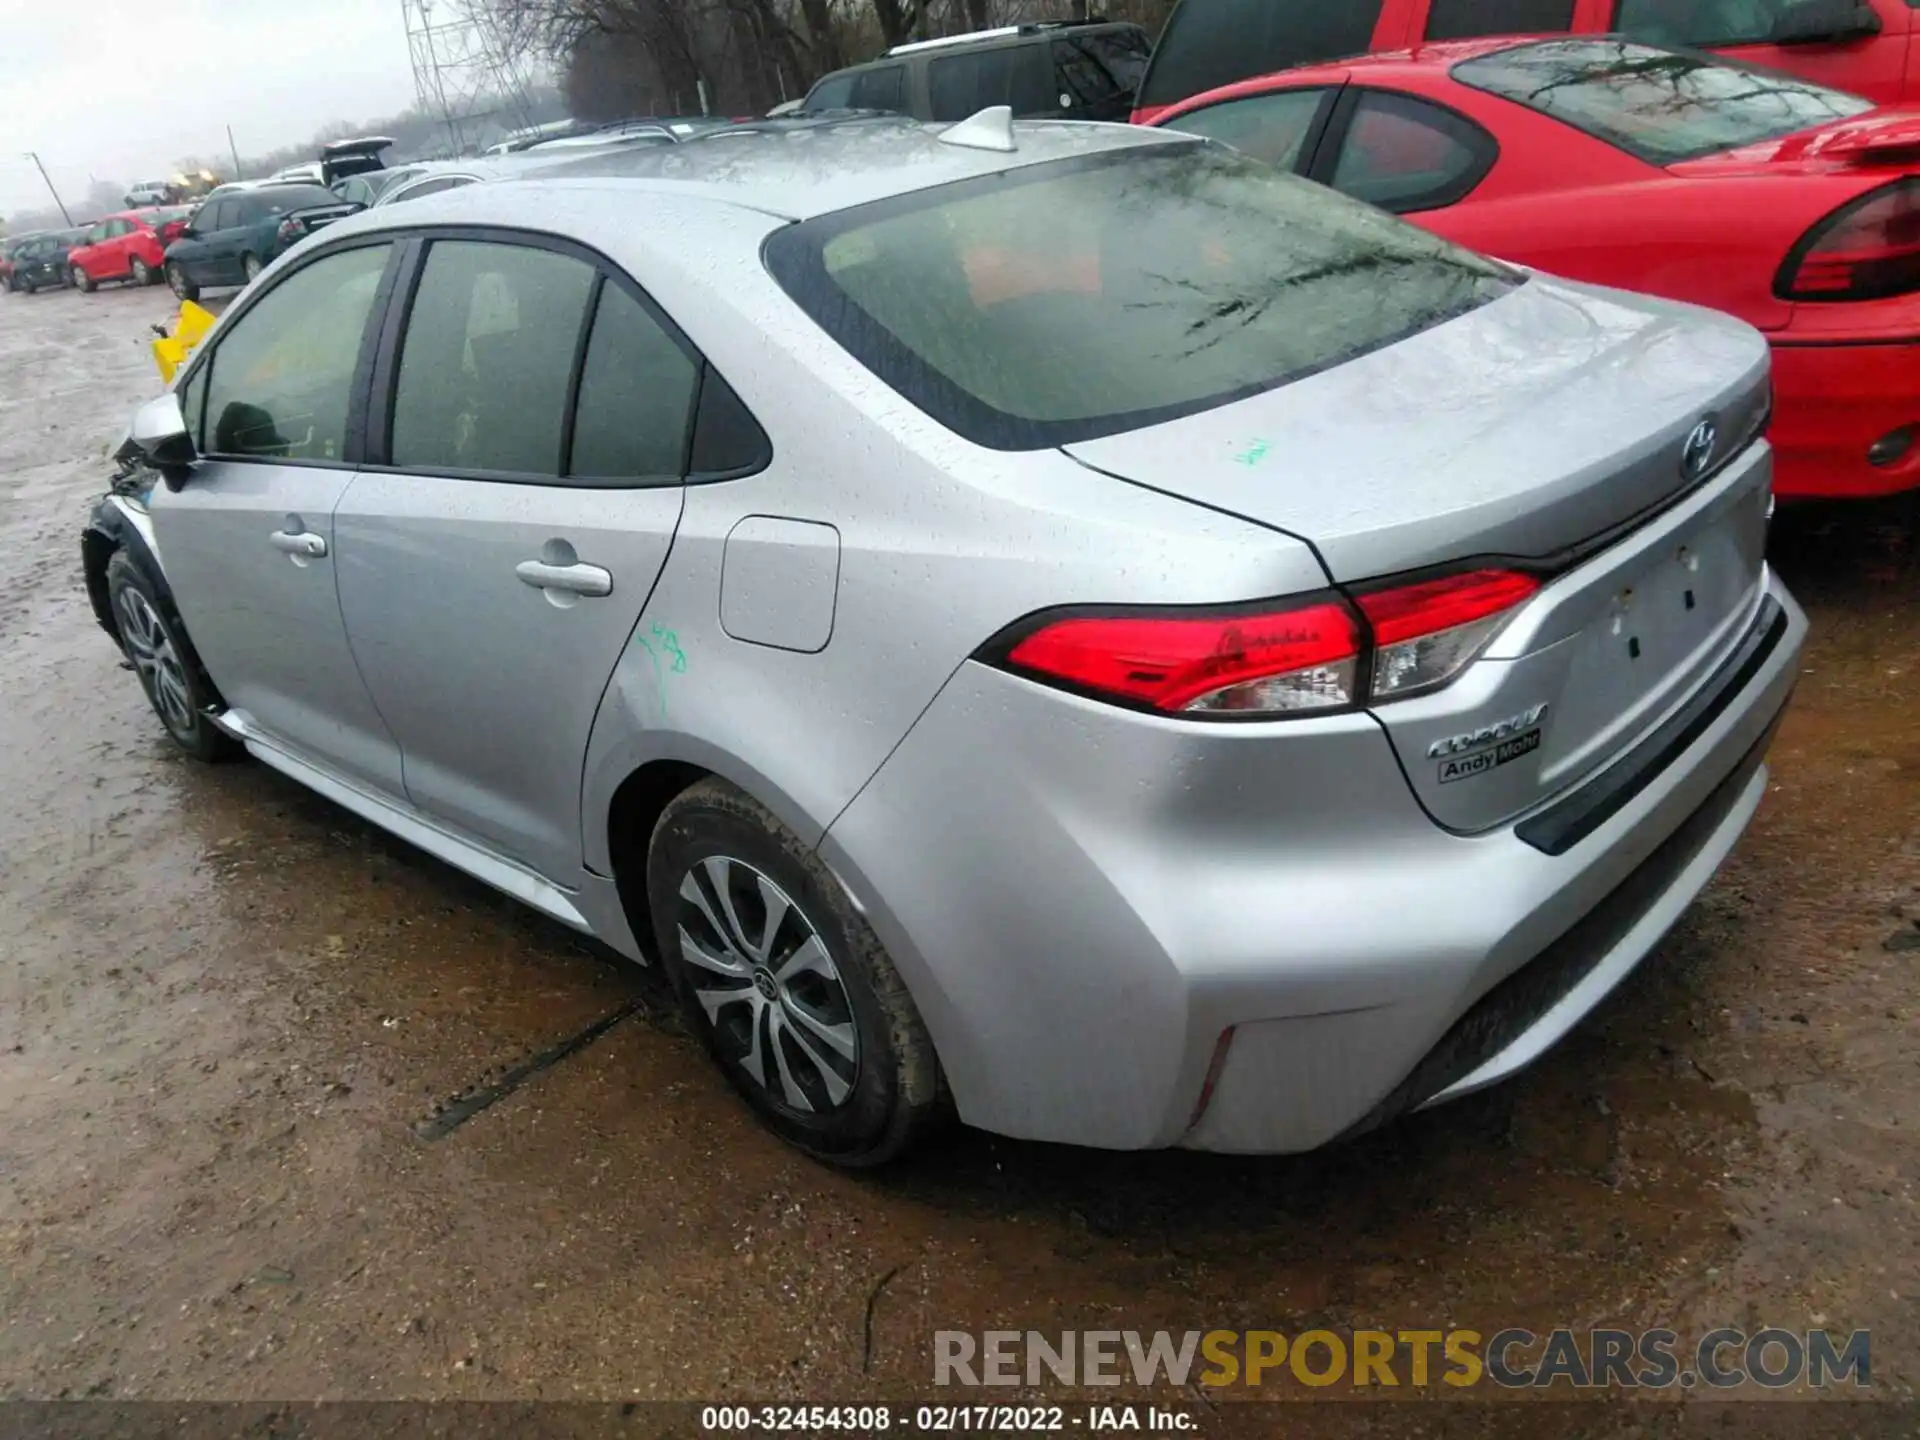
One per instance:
(1663, 106)
(1089, 296)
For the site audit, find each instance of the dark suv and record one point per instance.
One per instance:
(1087, 70)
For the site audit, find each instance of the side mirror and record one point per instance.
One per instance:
(159, 432)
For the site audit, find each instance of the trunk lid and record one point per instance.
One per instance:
(296, 225)
(1885, 138)
(1523, 428)
(1551, 426)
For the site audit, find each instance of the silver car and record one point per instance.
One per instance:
(1058, 623)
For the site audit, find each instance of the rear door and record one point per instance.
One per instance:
(222, 261)
(248, 542)
(117, 253)
(532, 428)
(1870, 64)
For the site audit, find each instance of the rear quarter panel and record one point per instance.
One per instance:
(1562, 201)
(942, 544)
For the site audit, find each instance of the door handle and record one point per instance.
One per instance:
(312, 546)
(568, 579)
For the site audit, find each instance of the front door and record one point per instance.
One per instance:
(248, 543)
(493, 573)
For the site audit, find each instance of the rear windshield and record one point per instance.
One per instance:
(1084, 297)
(280, 200)
(1663, 106)
(1207, 43)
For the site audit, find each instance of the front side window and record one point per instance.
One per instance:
(1467, 19)
(833, 93)
(488, 354)
(1662, 106)
(1404, 154)
(281, 382)
(636, 397)
(881, 89)
(1087, 297)
(1208, 43)
(1272, 127)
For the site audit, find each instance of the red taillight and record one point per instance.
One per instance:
(289, 229)
(1424, 634)
(1312, 656)
(1283, 660)
(1868, 250)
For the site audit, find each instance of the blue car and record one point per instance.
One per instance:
(238, 233)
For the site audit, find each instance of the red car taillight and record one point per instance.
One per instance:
(1867, 250)
(289, 231)
(1317, 654)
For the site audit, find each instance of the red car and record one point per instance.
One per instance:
(1794, 207)
(1871, 47)
(128, 246)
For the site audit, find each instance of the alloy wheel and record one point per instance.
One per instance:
(251, 267)
(153, 654)
(142, 275)
(768, 986)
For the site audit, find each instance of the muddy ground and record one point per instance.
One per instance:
(225, 1004)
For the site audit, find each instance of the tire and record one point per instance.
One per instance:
(140, 273)
(251, 267)
(83, 282)
(155, 640)
(28, 287)
(177, 280)
(853, 1110)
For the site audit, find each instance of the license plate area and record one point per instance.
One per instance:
(1657, 626)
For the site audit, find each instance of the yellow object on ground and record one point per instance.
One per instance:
(170, 351)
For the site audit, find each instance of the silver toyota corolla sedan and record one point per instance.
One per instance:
(1058, 623)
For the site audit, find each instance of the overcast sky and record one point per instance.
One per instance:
(121, 89)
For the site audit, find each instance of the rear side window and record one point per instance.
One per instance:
(636, 397)
(1660, 106)
(1090, 296)
(1215, 42)
(1404, 154)
(882, 89)
(1272, 127)
(282, 378)
(434, 187)
(963, 85)
(1100, 73)
(1466, 19)
(487, 359)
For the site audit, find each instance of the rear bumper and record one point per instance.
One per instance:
(1084, 902)
(1833, 402)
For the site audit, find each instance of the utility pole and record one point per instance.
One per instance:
(234, 150)
(50, 190)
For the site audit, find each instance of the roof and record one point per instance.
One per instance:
(797, 170)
